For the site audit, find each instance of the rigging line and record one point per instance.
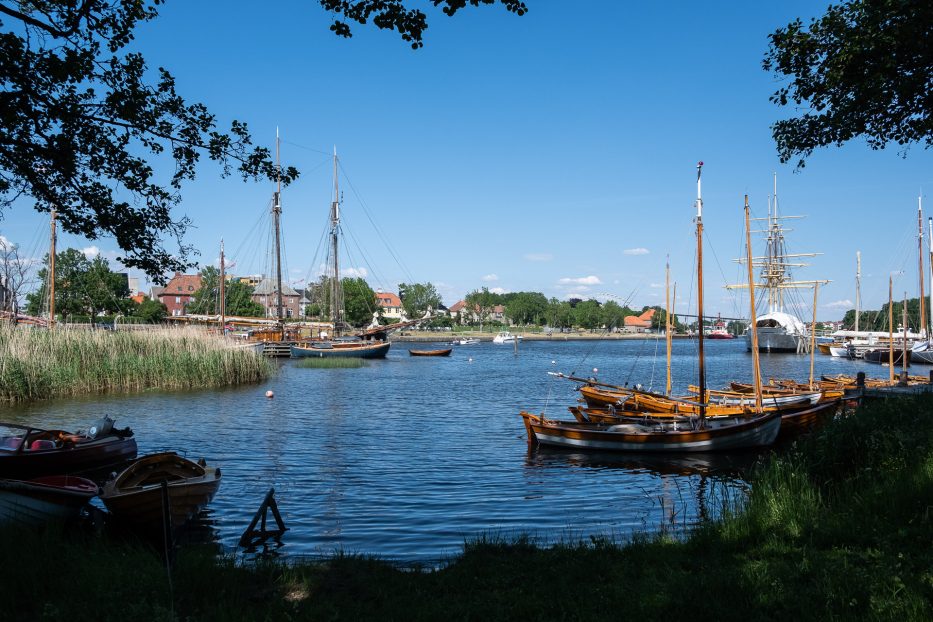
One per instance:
(288, 142)
(349, 235)
(369, 216)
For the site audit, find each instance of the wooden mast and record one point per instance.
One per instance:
(756, 361)
(702, 368)
(891, 329)
(858, 287)
(816, 287)
(923, 318)
(276, 213)
(336, 304)
(667, 327)
(52, 271)
(905, 359)
(223, 293)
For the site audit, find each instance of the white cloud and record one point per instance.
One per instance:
(499, 290)
(90, 252)
(5, 243)
(659, 286)
(353, 273)
(538, 257)
(840, 304)
(636, 251)
(491, 277)
(583, 280)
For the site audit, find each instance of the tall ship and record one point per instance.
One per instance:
(779, 330)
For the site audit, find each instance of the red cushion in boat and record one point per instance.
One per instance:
(42, 443)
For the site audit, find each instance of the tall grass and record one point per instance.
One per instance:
(37, 363)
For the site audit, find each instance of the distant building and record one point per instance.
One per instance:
(178, 292)
(639, 323)
(266, 294)
(138, 297)
(252, 280)
(133, 282)
(390, 304)
(460, 312)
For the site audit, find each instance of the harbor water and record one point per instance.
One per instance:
(408, 458)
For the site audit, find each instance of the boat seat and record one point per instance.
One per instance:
(12, 442)
(42, 443)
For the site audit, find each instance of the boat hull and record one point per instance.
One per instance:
(758, 432)
(430, 352)
(777, 340)
(81, 457)
(44, 499)
(135, 496)
(362, 351)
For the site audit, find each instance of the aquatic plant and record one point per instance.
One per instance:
(36, 363)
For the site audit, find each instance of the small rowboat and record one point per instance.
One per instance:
(43, 499)
(430, 352)
(135, 495)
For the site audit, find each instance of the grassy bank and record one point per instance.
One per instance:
(38, 363)
(837, 528)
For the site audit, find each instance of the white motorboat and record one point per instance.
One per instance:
(506, 337)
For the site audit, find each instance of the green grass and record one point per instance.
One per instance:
(836, 528)
(36, 363)
(331, 363)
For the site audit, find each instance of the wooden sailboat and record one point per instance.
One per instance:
(698, 433)
(368, 344)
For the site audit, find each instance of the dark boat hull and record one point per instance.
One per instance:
(430, 352)
(67, 458)
(362, 351)
(44, 499)
(883, 355)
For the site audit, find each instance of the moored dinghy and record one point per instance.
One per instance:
(135, 495)
(43, 499)
(445, 352)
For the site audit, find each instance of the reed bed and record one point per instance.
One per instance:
(331, 363)
(36, 363)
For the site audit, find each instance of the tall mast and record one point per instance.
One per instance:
(930, 227)
(776, 248)
(905, 360)
(816, 287)
(858, 287)
(667, 323)
(336, 304)
(702, 369)
(923, 318)
(756, 361)
(891, 329)
(276, 213)
(223, 293)
(52, 270)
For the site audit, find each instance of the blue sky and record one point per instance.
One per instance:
(553, 152)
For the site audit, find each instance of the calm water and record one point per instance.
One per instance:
(409, 457)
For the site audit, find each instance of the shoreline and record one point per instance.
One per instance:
(446, 337)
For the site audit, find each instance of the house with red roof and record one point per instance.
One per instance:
(390, 304)
(639, 323)
(178, 292)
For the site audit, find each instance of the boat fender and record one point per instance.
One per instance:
(217, 473)
(101, 427)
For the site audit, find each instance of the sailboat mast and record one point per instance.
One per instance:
(923, 318)
(858, 287)
(756, 361)
(904, 361)
(816, 287)
(336, 304)
(52, 270)
(702, 368)
(891, 329)
(930, 227)
(276, 213)
(667, 323)
(223, 293)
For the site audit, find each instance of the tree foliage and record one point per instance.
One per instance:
(151, 311)
(237, 294)
(359, 301)
(82, 287)
(862, 69)
(417, 298)
(87, 131)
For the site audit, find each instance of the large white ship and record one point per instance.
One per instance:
(778, 329)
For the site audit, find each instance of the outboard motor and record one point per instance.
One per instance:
(101, 427)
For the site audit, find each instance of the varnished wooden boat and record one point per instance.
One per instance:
(639, 401)
(430, 352)
(135, 495)
(43, 499)
(27, 452)
(343, 349)
(674, 437)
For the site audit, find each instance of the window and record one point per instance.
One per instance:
(177, 299)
